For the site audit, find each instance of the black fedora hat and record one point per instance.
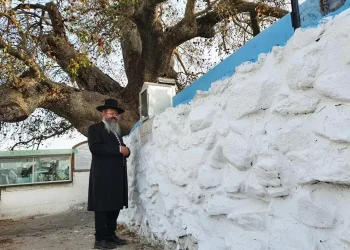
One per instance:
(110, 104)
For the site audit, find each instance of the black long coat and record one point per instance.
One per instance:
(108, 185)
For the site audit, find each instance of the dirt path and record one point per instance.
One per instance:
(71, 230)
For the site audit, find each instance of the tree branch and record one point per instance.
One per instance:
(78, 107)
(146, 15)
(261, 8)
(56, 20)
(207, 9)
(254, 22)
(41, 18)
(189, 11)
(29, 61)
(176, 53)
(77, 65)
(238, 23)
(203, 26)
(41, 138)
(29, 6)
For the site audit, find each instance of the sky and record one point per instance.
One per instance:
(64, 142)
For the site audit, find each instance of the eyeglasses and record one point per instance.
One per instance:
(110, 113)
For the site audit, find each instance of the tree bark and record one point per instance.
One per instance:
(19, 101)
(254, 23)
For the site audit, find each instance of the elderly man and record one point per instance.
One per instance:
(108, 176)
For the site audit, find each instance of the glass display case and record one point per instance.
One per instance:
(24, 170)
(16, 171)
(156, 97)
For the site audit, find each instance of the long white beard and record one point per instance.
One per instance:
(112, 125)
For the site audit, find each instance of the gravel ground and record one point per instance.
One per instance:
(71, 230)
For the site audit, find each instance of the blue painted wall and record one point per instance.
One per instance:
(277, 34)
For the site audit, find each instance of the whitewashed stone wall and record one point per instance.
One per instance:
(261, 161)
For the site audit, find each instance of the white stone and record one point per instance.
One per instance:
(194, 193)
(184, 142)
(345, 237)
(219, 205)
(328, 243)
(237, 151)
(183, 165)
(251, 96)
(167, 202)
(187, 242)
(333, 122)
(246, 242)
(160, 134)
(267, 172)
(296, 103)
(179, 120)
(249, 221)
(218, 159)
(249, 67)
(233, 181)
(219, 87)
(263, 144)
(210, 243)
(300, 72)
(209, 177)
(305, 37)
(311, 214)
(237, 126)
(210, 140)
(222, 126)
(290, 235)
(201, 117)
(152, 191)
(291, 135)
(278, 191)
(335, 85)
(321, 164)
(254, 188)
(159, 162)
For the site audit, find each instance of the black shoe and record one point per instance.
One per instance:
(115, 239)
(104, 244)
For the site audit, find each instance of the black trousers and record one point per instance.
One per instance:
(105, 224)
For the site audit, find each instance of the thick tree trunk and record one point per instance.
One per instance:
(157, 55)
(146, 57)
(134, 65)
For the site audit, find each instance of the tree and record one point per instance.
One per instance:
(50, 54)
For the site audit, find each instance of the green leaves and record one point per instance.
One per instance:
(75, 64)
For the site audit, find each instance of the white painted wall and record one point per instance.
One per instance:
(24, 201)
(260, 161)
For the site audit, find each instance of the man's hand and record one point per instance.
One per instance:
(124, 150)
